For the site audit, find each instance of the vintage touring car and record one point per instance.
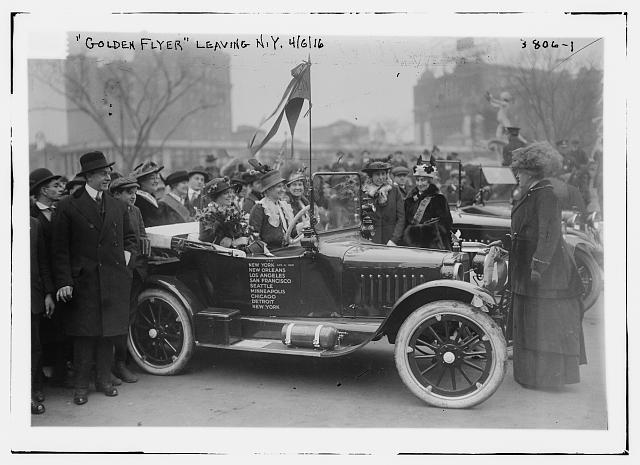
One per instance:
(326, 296)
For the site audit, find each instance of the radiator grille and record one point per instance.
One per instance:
(385, 288)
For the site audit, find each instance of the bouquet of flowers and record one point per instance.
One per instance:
(225, 221)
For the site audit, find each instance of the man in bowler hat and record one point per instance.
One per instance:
(94, 249)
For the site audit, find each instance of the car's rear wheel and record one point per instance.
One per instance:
(160, 335)
(589, 272)
(450, 355)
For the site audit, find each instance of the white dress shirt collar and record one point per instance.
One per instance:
(92, 192)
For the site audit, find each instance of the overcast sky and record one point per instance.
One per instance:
(364, 80)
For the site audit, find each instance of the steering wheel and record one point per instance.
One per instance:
(298, 217)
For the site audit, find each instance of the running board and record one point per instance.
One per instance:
(277, 347)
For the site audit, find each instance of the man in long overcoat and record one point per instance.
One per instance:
(94, 249)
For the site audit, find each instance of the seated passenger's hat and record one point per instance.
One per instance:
(297, 175)
(93, 161)
(146, 168)
(176, 177)
(270, 179)
(39, 177)
(218, 186)
(123, 182)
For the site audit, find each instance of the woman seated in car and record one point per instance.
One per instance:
(221, 222)
(295, 191)
(271, 216)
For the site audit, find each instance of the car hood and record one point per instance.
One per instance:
(463, 218)
(501, 210)
(381, 256)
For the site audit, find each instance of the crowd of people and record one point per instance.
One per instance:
(89, 254)
(89, 248)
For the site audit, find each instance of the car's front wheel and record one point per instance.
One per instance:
(450, 355)
(160, 334)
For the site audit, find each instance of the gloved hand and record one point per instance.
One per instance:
(535, 277)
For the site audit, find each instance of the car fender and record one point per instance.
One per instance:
(575, 241)
(177, 288)
(440, 289)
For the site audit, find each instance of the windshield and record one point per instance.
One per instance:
(468, 184)
(336, 198)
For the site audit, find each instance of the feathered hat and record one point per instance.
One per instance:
(423, 168)
(218, 186)
(297, 175)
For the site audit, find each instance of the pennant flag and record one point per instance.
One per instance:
(290, 104)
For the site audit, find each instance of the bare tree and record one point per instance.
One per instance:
(554, 99)
(134, 102)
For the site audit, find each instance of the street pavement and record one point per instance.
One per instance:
(234, 389)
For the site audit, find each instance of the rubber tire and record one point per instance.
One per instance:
(188, 343)
(485, 323)
(591, 266)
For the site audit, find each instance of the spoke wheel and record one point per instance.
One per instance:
(450, 355)
(590, 276)
(160, 334)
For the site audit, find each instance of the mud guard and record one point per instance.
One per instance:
(176, 287)
(440, 289)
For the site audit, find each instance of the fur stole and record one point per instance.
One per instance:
(379, 194)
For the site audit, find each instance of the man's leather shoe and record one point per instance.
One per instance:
(122, 372)
(107, 389)
(80, 396)
(37, 408)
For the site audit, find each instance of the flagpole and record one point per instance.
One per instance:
(311, 215)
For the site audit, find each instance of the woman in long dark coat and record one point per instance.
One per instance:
(426, 211)
(548, 343)
(386, 201)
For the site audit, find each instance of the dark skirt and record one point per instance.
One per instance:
(548, 343)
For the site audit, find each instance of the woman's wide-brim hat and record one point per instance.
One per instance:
(177, 177)
(376, 166)
(146, 168)
(39, 177)
(219, 186)
(93, 161)
(538, 157)
(270, 179)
